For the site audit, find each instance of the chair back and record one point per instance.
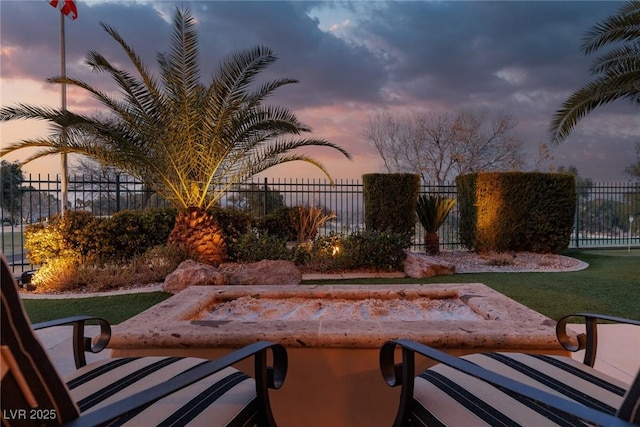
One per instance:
(32, 391)
(630, 408)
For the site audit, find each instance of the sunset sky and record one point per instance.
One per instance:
(353, 60)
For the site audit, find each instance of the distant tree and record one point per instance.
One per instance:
(583, 185)
(38, 205)
(605, 217)
(440, 146)
(11, 179)
(634, 169)
(104, 184)
(257, 199)
(616, 73)
(544, 158)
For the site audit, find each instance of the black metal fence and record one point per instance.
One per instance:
(605, 212)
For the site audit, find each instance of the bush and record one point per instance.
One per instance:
(233, 222)
(516, 211)
(81, 236)
(65, 274)
(71, 236)
(390, 202)
(127, 234)
(381, 250)
(306, 220)
(376, 250)
(278, 224)
(255, 246)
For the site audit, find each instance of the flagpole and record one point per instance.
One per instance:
(63, 73)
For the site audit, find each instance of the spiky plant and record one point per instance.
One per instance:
(432, 212)
(617, 72)
(188, 141)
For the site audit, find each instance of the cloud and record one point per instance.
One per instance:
(356, 58)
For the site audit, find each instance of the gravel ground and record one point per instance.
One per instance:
(470, 262)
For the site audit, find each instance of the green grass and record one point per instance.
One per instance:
(611, 285)
(114, 309)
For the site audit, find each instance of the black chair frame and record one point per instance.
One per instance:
(402, 373)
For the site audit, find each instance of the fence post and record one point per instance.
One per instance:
(577, 216)
(266, 197)
(117, 192)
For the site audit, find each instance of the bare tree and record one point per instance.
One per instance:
(634, 169)
(440, 146)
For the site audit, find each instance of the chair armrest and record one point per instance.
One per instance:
(265, 376)
(403, 374)
(589, 340)
(81, 343)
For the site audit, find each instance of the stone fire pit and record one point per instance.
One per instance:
(333, 374)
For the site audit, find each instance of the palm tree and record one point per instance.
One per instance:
(432, 212)
(187, 141)
(617, 72)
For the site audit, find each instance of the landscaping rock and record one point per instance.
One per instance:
(192, 273)
(265, 272)
(420, 265)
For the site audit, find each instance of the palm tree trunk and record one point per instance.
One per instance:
(432, 243)
(197, 232)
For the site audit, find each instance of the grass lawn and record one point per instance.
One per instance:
(611, 285)
(114, 309)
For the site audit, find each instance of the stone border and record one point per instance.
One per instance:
(175, 322)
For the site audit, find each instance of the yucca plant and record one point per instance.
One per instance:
(432, 212)
(187, 141)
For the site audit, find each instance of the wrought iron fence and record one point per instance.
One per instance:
(605, 212)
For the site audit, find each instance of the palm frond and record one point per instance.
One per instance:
(617, 72)
(180, 136)
(135, 59)
(617, 28)
(624, 58)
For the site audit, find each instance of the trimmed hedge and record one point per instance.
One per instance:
(390, 202)
(516, 211)
(84, 237)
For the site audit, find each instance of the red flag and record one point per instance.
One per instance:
(68, 7)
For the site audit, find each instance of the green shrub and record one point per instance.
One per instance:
(127, 234)
(254, 246)
(516, 211)
(381, 250)
(390, 202)
(279, 224)
(327, 253)
(69, 236)
(376, 250)
(233, 222)
(467, 212)
(81, 236)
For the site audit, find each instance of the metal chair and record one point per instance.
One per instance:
(508, 389)
(142, 391)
